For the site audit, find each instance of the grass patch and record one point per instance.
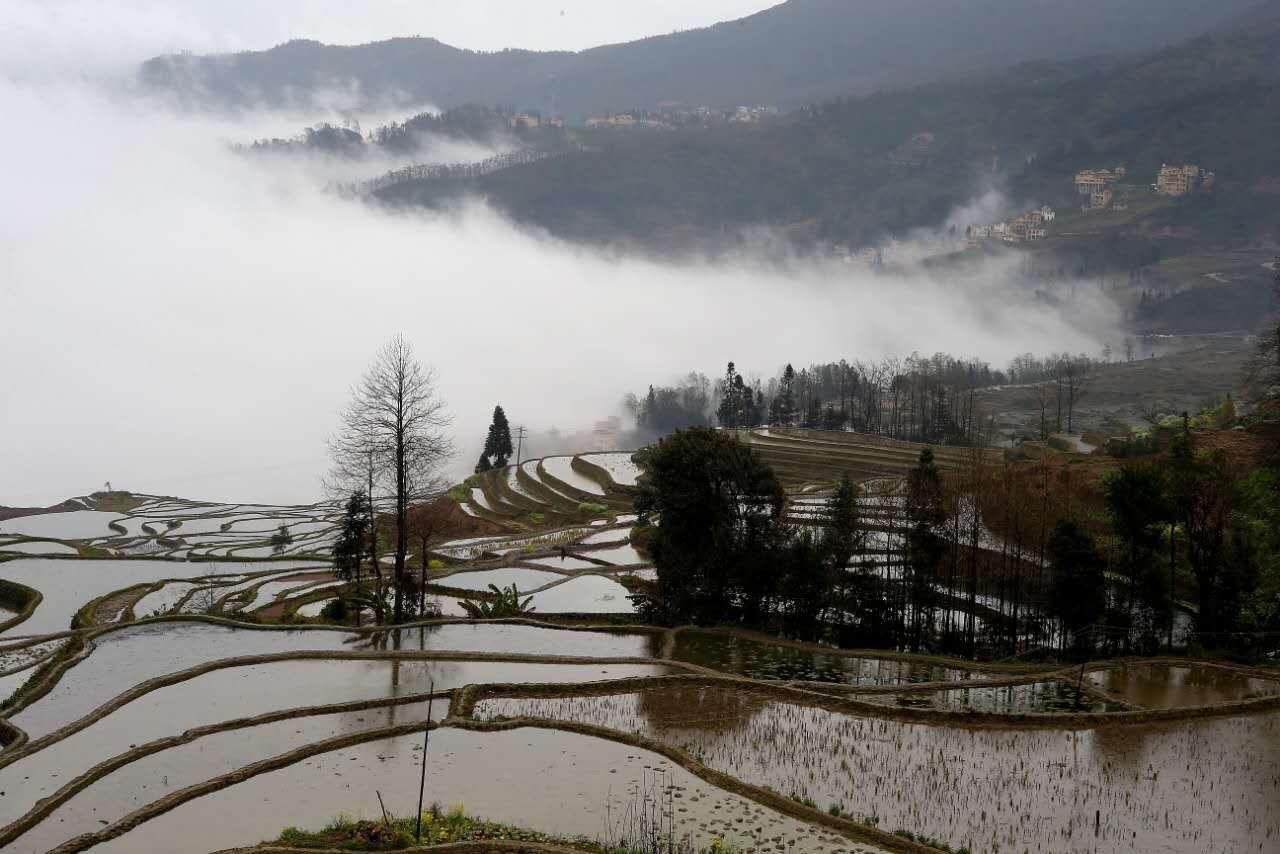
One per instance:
(396, 834)
(441, 827)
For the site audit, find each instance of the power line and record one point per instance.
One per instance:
(520, 437)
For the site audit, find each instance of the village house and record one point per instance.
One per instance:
(1028, 225)
(1183, 180)
(1099, 200)
(1090, 181)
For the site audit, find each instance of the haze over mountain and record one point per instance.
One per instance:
(799, 52)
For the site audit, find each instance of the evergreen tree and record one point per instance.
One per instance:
(925, 548)
(729, 413)
(648, 411)
(483, 465)
(721, 528)
(783, 411)
(1135, 499)
(497, 447)
(844, 533)
(353, 535)
(1078, 594)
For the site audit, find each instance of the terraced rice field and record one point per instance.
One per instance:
(551, 490)
(128, 734)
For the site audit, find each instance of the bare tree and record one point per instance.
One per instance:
(1077, 377)
(394, 430)
(1043, 393)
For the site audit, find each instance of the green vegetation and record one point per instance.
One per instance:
(395, 834)
(281, 539)
(723, 550)
(441, 827)
(505, 603)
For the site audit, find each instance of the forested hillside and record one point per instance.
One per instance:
(836, 172)
(800, 52)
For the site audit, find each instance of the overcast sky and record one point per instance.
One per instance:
(97, 35)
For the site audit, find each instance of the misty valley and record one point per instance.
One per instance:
(640, 428)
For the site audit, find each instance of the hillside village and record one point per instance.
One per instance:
(1103, 191)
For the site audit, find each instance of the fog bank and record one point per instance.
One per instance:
(185, 320)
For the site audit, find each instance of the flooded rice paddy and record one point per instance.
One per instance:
(1030, 697)
(763, 660)
(69, 584)
(1191, 785)
(523, 579)
(586, 594)
(1198, 786)
(1163, 686)
(577, 779)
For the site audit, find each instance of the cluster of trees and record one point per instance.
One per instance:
(990, 558)
(466, 123)
(391, 442)
(451, 171)
(726, 552)
(919, 398)
(722, 549)
(1186, 525)
(668, 408)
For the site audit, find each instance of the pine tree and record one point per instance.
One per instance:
(348, 549)
(729, 412)
(924, 547)
(648, 410)
(785, 403)
(497, 446)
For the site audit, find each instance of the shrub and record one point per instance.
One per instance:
(506, 603)
(335, 610)
(537, 518)
(592, 508)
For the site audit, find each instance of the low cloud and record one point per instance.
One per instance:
(181, 319)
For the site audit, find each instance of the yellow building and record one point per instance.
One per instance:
(1183, 180)
(1090, 181)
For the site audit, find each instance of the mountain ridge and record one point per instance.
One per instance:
(796, 53)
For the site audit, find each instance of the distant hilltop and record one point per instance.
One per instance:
(796, 53)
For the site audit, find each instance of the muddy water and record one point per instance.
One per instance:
(1163, 686)
(69, 584)
(1050, 696)
(243, 692)
(1191, 787)
(490, 774)
(763, 660)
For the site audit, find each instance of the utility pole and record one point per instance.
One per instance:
(520, 434)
